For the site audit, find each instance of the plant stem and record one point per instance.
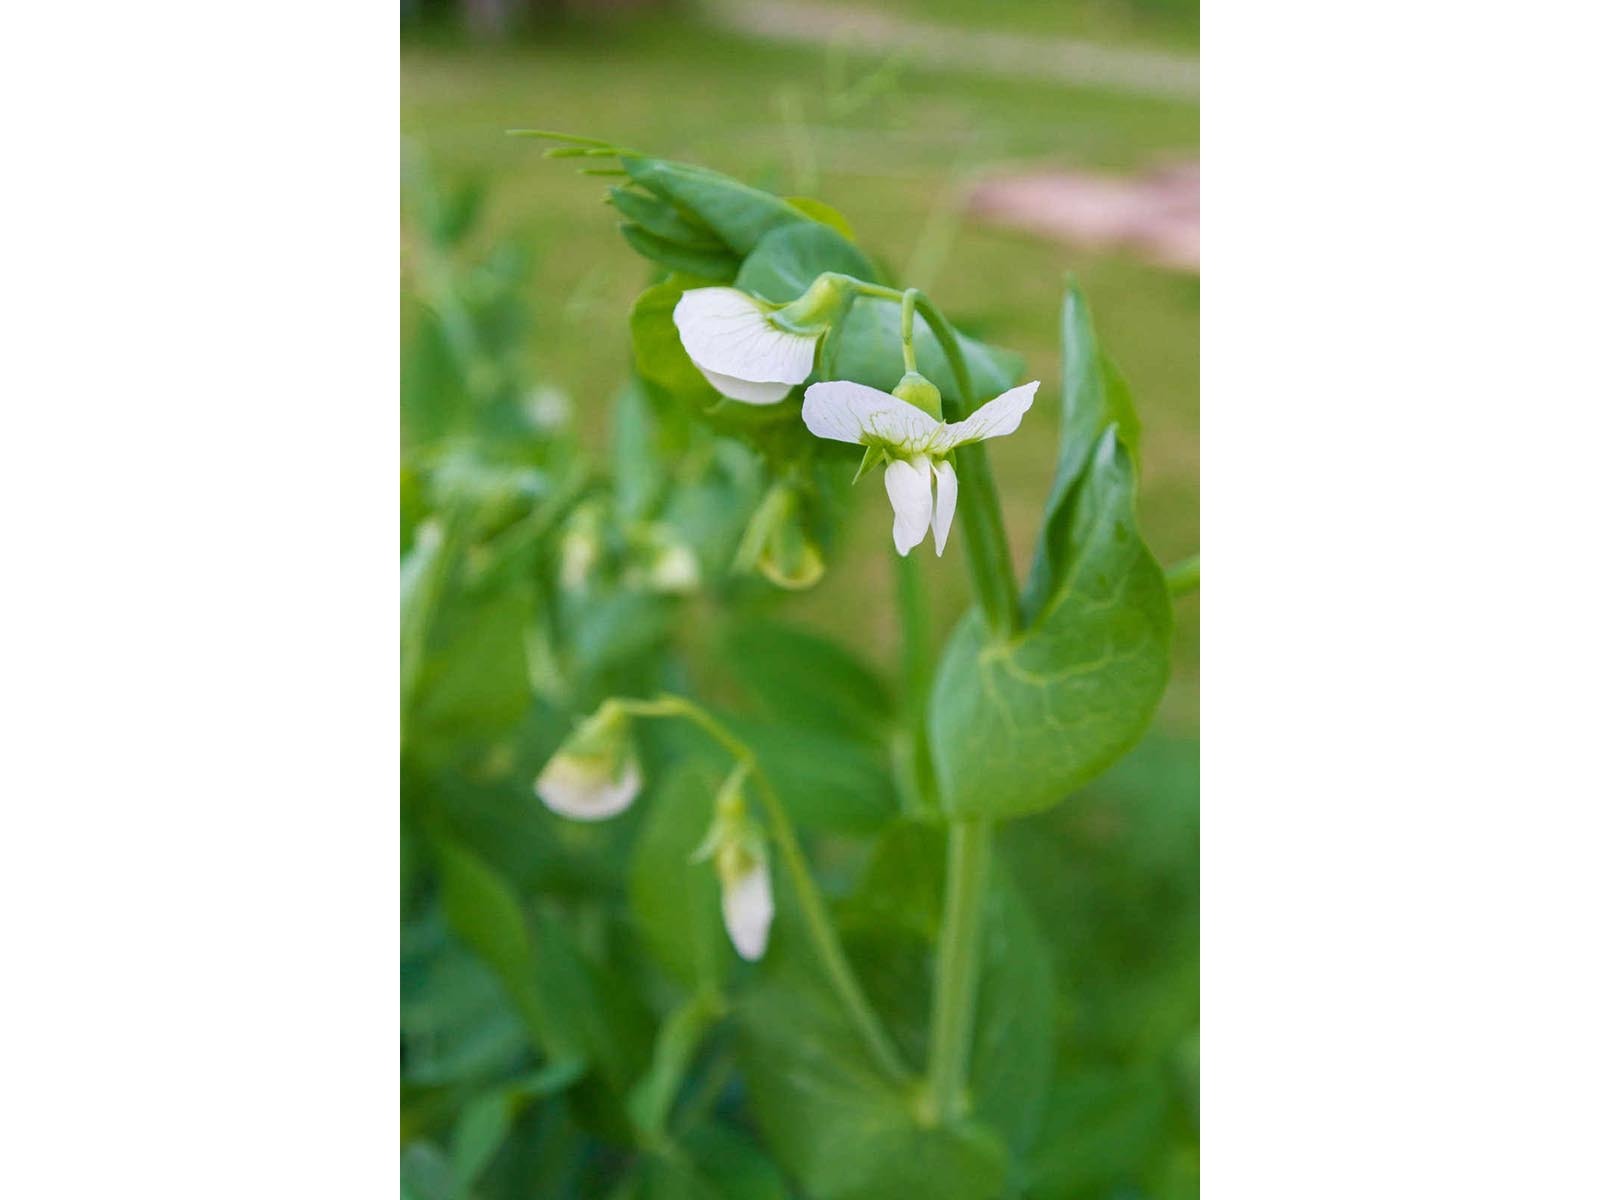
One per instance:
(824, 938)
(916, 676)
(955, 994)
(988, 556)
(908, 315)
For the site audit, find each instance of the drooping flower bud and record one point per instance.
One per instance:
(746, 899)
(594, 774)
(778, 544)
(582, 544)
(735, 845)
(666, 563)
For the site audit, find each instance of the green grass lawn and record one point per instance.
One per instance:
(891, 152)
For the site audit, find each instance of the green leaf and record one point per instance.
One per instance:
(709, 263)
(788, 260)
(804, 680)
(899, 902)
(737, 213)
(657, 217)
(711, 1162)
(485, 913)
(825, 781)
(1016, 725)
(658, 354)
(868, 351)
(456, 1021)
(1094, 398)
(487, 1119)
(824, 213)
(1013, 1050)
(1102, 1132)
(676, 903)
(834, 1123)
(473, 683)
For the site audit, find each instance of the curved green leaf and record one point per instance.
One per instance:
(1016, 725)
(787, 260)
(738, 213)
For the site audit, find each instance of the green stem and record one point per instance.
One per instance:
(916, 674)
(908, 314)
(988, 556)
(824, 938)
(955, 994)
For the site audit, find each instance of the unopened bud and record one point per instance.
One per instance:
(595, 772)
(919, 391)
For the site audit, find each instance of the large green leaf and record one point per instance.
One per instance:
(837, 1125)
(899, 902)
(1102, 1135)
(676, 903)
(1017, 724)
(802, 679)
(788, 260)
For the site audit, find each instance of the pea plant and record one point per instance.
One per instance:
(695, 903)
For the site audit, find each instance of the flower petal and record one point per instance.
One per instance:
(944, 503)
(747, 911)
(997, 418)
(744, 389)
(853, 412)
(910, 487)
(582, 788)
(725, 331)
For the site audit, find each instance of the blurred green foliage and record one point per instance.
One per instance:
(574, 1023)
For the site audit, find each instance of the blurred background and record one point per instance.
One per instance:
(983, 150)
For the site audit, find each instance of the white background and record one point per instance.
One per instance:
(1400, 748)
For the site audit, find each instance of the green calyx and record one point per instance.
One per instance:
(818, 307)
(605, 738)
(919, 391)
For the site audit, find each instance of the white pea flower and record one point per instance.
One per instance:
(734, 843)
(595, 772)
(731, 338)
(746, 898)
(920, 479)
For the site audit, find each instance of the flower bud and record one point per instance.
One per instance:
(777, 544)
(666, 564)
(817, 308)
(595, 772)
(919, 391)
(582, 543)
(735, 845)
(746, 899)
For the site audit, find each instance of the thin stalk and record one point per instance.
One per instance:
(916, 676)
(908, 316)
(955, 994)
(824, 938)
(988, 556)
